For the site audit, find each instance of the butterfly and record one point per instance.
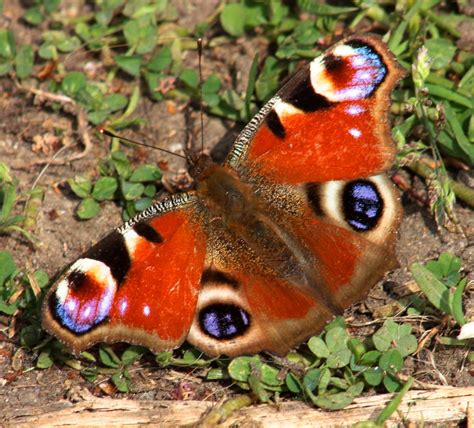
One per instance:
(297, 224)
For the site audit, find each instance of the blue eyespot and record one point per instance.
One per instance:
(362, 205)
(224, 321)
(83, 300)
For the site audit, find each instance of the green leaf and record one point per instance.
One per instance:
(391, 333)
(88, 209)
(457, 304)
(114, 102)
(465, 145)
(336, 339)
(339, 358)
(240, 367)
(145, 173)
(153, 83)
(105, 188)
(391, 383)
(131, 191)
(190, 78)
(132, 354)
(44, 360)
(7, 200)
(5, 175)
(318, 347)
(89, 374)
(164, 358)
(129, 63)
(441, 51)
(48, 51)
(370, 358)
(339, 400)
(150, 190)
(121, 381)
(121, 164)
(293, 383)
(160, 61)
(391, 361)
(436, 292)
(322, 9)
(41, 278)
(324, 380)
(311, 379)
(143, 203)
(141, 34)
(257, 387)
(73, 83)
(98, 117)
(449, 94)
(68, 44)
(6, 308)
(373, 376)
(338, 322)
(108, 357)
(24, 61)
(5, 67)
(357, 348)
(33, 16)
(7, 44)
(216, 374)
(269, 78)
(407, 345)
(210, 88)
(270, 375)
(233, 18)
(51, 6)
(446, 268)
(81, 186)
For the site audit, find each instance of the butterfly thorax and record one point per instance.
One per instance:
(234, 206)
(227, 197)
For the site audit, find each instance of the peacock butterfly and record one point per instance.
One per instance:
(296, 225)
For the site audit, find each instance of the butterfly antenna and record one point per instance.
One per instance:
(113, 135)
(201, 107)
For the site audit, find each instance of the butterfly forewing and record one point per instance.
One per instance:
(329, 122)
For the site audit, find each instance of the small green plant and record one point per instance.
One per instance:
(19, 291)
(331, 371)
(442, 284)
(10, 222)
(39, 10)
(20, 59)
(133, 189)
(335, 370)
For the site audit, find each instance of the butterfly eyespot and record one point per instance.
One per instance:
(84, 298)
(353, 71)
(224, 321)
(362, 205)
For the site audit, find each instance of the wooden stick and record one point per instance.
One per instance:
(443, 406)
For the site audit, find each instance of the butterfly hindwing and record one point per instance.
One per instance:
(139, 284)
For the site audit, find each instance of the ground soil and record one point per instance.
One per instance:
(62, 237)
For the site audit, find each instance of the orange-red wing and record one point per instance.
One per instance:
(140, 284)
(330, 122)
